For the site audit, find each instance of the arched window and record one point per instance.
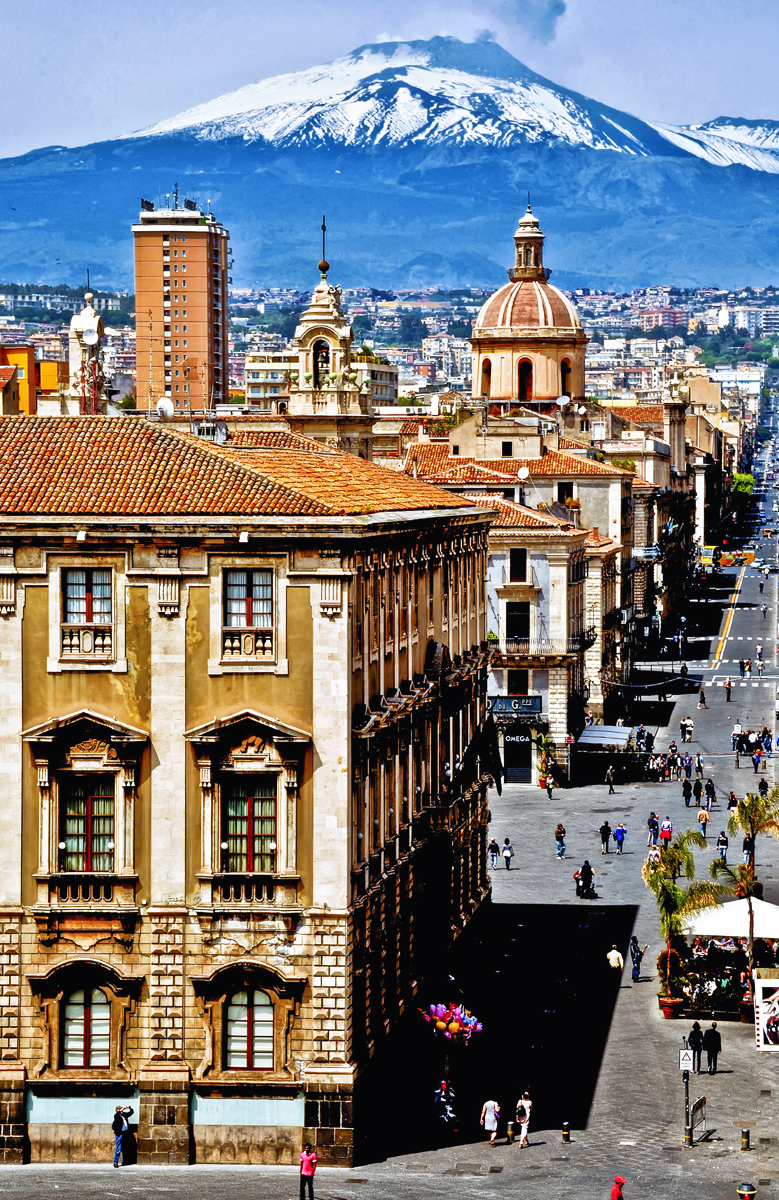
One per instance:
(321, 357)
(565, 378)
(525, 381)
(86, 1040)
(528, 257)
(486, 377)
(249, 1032)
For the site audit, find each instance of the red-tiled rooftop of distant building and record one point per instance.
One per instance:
(512, 516)
(436, 465)
(6, 375)
(115, 466)
(641, 414)
(268, 439)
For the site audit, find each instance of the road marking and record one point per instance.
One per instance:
(731, 610)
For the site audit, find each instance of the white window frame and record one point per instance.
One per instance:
(218, 565)
(56, 565)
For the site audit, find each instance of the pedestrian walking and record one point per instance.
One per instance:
(120, 1126)
(549, 786)
(760, 668)
(748, 849)
(699, 765)
(610, 779)
(722, 846)
(756, 760)
(493, 850)
(605, 834)
(764, 610)
(653, 825)
(702, 698)
(761, 585)
(762, 787)
(307, 1169)
(524, 1109)
(616, 1191)
(728, 689)
(735, 734)
(636, 955)
(703, 821)
(615, 959)
(711, 795)
(687, 765)
(732, 800)
(712, 1044)
(748, 668)
(695, 1043)
(559, 836)
(758, 649)
(666, 833)
(583, 879)
(687, 792)
(507, 851)
(697, 791)
(489, 1119)
(741, 667)
(619, 836)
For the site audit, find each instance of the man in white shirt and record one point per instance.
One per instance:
(615, 959)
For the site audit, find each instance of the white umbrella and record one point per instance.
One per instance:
(732, 920)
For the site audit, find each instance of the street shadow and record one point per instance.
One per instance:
(527, 972)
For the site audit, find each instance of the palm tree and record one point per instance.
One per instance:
(756, 814)
(675, 904)
(741, 883)
(546, 747)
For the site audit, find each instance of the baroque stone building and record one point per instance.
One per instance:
(243, 795)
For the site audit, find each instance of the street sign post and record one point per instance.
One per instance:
(685, 1060)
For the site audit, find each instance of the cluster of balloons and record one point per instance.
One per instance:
(452, 1021)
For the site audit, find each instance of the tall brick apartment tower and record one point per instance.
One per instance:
(181, 276)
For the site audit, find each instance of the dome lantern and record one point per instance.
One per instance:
(529, 250)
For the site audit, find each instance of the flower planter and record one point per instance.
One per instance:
(542, 781)
(670, 1006)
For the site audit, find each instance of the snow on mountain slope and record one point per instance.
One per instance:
(441, 91)
(727, 141)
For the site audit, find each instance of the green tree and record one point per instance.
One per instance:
(677, 904)
(755, 815)
(412, 330)
(743, 484)
(739, 881)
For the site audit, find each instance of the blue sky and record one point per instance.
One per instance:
(77, 71)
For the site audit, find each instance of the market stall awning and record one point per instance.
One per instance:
(605, 735)
(732, 920)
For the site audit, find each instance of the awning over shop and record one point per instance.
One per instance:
(732, 920)
(605, 735)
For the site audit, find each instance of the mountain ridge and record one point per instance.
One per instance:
(421, 165)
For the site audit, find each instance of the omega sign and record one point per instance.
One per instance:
(522, 737)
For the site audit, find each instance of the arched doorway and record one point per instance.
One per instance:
(565, 378)
(486, 377)
(321, 357)
(525, 382)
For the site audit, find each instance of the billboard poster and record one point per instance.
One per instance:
(767, 1012)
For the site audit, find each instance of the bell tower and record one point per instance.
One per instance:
(529, 250)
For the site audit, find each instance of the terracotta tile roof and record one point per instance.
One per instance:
(570, 444)
(641, 414)
(114, 466)
(595, 539)
(518, 516)
(435, 464)
(277, 439)
(6, 375)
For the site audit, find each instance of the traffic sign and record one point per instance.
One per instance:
(685, 1060)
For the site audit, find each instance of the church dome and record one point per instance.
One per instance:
(528, 304)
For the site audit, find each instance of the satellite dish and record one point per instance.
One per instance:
(523, 473)
(90, 337)
(561, 401)
(165, 409)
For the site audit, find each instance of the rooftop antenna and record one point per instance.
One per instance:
(88, 279)
(324, 232)
(175, 195)
(528, 198)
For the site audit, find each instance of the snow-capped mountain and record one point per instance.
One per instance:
(421, 153)
(728, 140)
(414, 93)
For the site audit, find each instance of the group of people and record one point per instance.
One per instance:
(709, 1040)
(750, 742)
(506, 852)
(663, 768)
(490, 1116)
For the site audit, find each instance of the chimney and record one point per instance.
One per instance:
(414, 466)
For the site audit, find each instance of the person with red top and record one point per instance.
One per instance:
(616, 1191)
(307, 1168)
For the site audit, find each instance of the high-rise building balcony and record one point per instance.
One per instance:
(508, 651)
